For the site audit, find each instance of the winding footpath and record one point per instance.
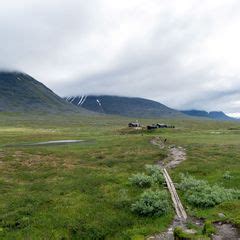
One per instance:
(175, 156)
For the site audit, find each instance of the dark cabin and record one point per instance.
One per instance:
(134, 124)
(161, 125)
(151, 127)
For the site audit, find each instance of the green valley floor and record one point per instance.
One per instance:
(82, 190)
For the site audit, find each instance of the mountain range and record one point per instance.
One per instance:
(125, 106)
(20, 92)
(216, 115)
(139, 108)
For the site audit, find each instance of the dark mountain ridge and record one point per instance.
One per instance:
(21, 92)
(216, 115)
(124, 106)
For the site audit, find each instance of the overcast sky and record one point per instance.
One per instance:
(183, 53)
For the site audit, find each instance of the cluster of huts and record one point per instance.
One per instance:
(159, 125)
(150, 127)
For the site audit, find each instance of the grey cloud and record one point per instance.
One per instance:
(158, 50)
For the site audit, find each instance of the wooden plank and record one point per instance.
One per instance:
(181, 213)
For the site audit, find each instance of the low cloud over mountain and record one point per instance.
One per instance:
(182, 53)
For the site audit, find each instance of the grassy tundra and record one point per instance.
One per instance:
(82, 191)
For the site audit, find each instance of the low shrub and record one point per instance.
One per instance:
(155, 172)
(152, 169)
(154, 176)
(152, 204)
(179, 234)
(200, 194)
(208, 228)
(141, 180)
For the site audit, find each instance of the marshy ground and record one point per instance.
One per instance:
(81, 191)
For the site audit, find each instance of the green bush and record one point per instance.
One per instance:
(152, 204)
(141, 180)
(152, 169)
(154, 176)
(208, 228)
(155, 172)
(200, 194)
(179, 234)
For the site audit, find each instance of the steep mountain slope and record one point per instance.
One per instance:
(124, 106)
(213, 115)
(20, 92)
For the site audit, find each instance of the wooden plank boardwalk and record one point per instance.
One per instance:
(181, 213)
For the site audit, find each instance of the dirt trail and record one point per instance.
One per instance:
(175, 156)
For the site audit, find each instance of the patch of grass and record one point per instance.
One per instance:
(82, 191)
(72, 191)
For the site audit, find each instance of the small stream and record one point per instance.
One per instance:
(55, 142)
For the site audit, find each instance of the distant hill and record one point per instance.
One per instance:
(213, 115)
(125, 106)
(20, 92)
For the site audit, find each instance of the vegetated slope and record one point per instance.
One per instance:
(125, 106)
(213, 115)
(21, 92)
